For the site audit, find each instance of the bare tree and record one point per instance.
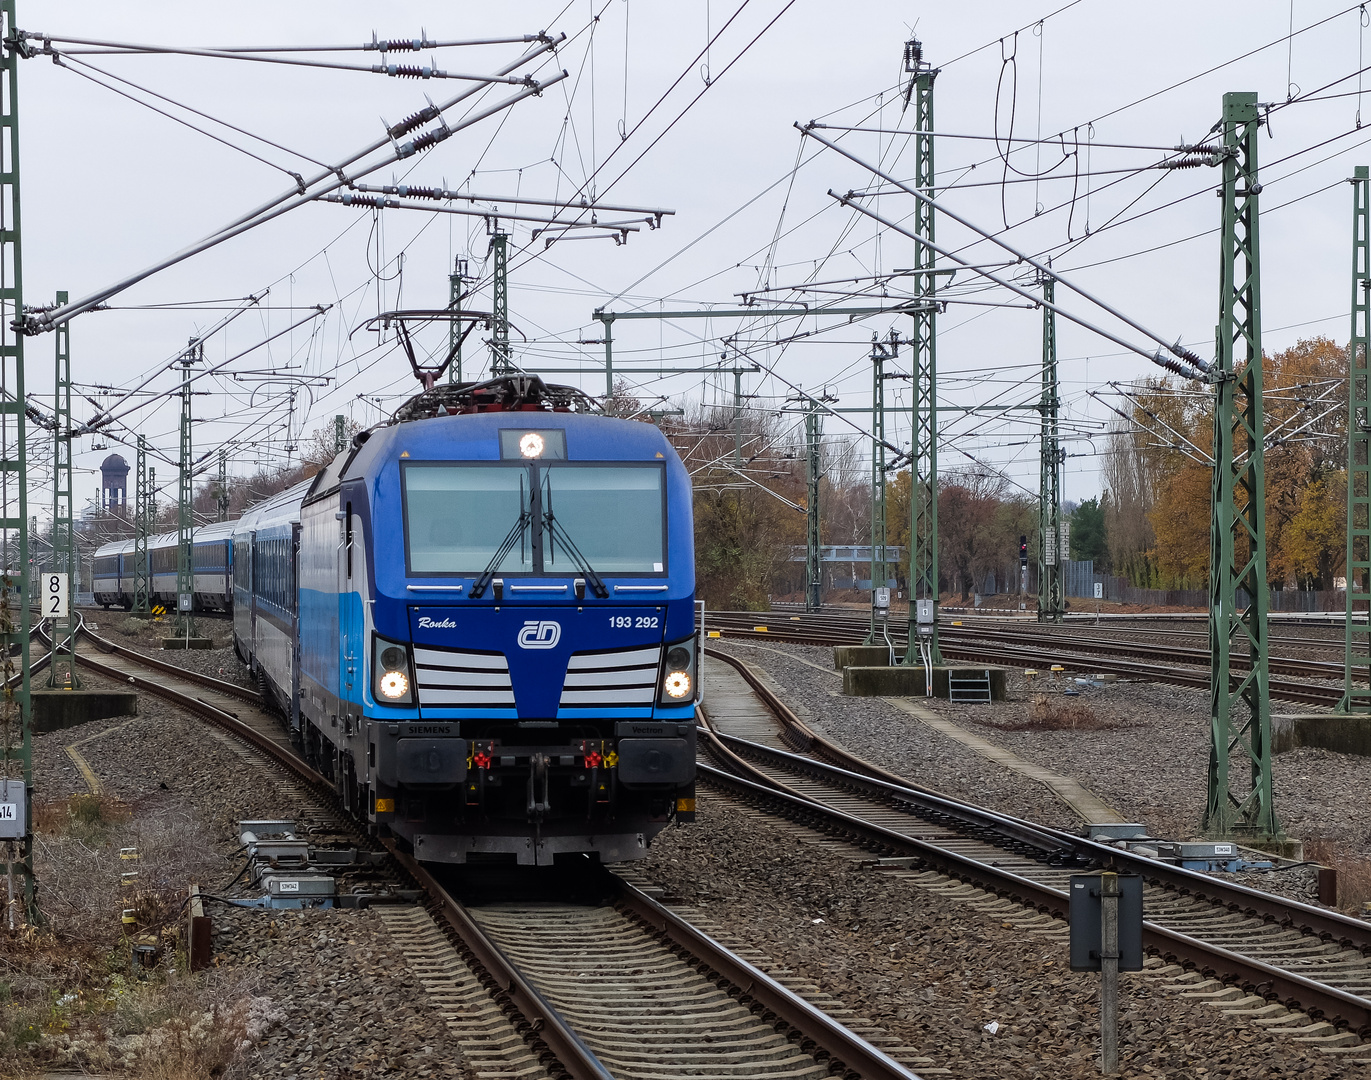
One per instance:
(969, 502)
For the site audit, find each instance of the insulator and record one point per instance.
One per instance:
(419, 192)
(395, 45)
(427, 139)
(405, 126)
(408, 71)
(1188, 162)
(349, 199)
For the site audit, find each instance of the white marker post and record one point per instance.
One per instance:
(1109, 972)
(55, 596)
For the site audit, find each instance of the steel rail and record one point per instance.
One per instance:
(542, 1018)
(1136, 649)
(1319, 922)
(846, 767)
(843, 1046)
(204, 709)
(1284, 689)
(1256, 976)
(222, 686)
(580, 1063)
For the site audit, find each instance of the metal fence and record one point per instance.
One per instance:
(1079, 580)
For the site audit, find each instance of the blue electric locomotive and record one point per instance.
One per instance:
(481, 623)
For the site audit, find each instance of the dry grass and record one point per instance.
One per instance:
(69, 994)
(169, 1027)
(1056, 712)
(83, 814)
(1354, 870)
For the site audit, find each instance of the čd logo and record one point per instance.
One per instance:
(537, 634)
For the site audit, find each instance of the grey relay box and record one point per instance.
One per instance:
(13, 810)
(1188, 851)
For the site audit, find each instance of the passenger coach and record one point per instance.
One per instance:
(112, 570)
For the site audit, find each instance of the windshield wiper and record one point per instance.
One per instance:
(554, 528)
(515, 535)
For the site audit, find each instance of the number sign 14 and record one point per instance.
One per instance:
(55, 596)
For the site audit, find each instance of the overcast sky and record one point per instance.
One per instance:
(110, 187)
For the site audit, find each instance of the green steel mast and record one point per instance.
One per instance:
(881, 351)
(221, 498)
(62, 664)
(185, 524)
(142, 503)
(1357, 663)
(16, 731)
(813, 551)
(455, 281)
(923, 495)
(1239, 800)
(1051, 553)
(501, 362)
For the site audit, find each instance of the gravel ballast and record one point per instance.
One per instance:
(935, 972)
(1149, 761)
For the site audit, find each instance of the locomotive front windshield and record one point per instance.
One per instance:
(457, 517)
(550, 518)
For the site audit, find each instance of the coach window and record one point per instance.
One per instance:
(348, 537)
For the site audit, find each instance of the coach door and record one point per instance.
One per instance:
(351, 618)
(252, 591)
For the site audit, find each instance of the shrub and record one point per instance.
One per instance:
(1354, 870)
(1055, 712)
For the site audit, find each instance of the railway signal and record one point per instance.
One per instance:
(1023, 572)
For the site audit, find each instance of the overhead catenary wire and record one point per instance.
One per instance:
(1184, 354)
(392, 70)
(549, 354)
(331, 179)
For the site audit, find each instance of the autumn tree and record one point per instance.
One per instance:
(968, 507)
(747, 527)
(1164, 461)
(1304, 399)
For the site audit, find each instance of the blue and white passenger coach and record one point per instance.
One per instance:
(495, 614)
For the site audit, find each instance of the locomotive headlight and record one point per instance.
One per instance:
(391, 673)
(531, 444)
(678, 673)
(394, 684)
(677, 684)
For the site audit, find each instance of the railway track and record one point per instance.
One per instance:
(1036, 650)
(624, 988)
(1291, 966)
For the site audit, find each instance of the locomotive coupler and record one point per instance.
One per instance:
(539, 802)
